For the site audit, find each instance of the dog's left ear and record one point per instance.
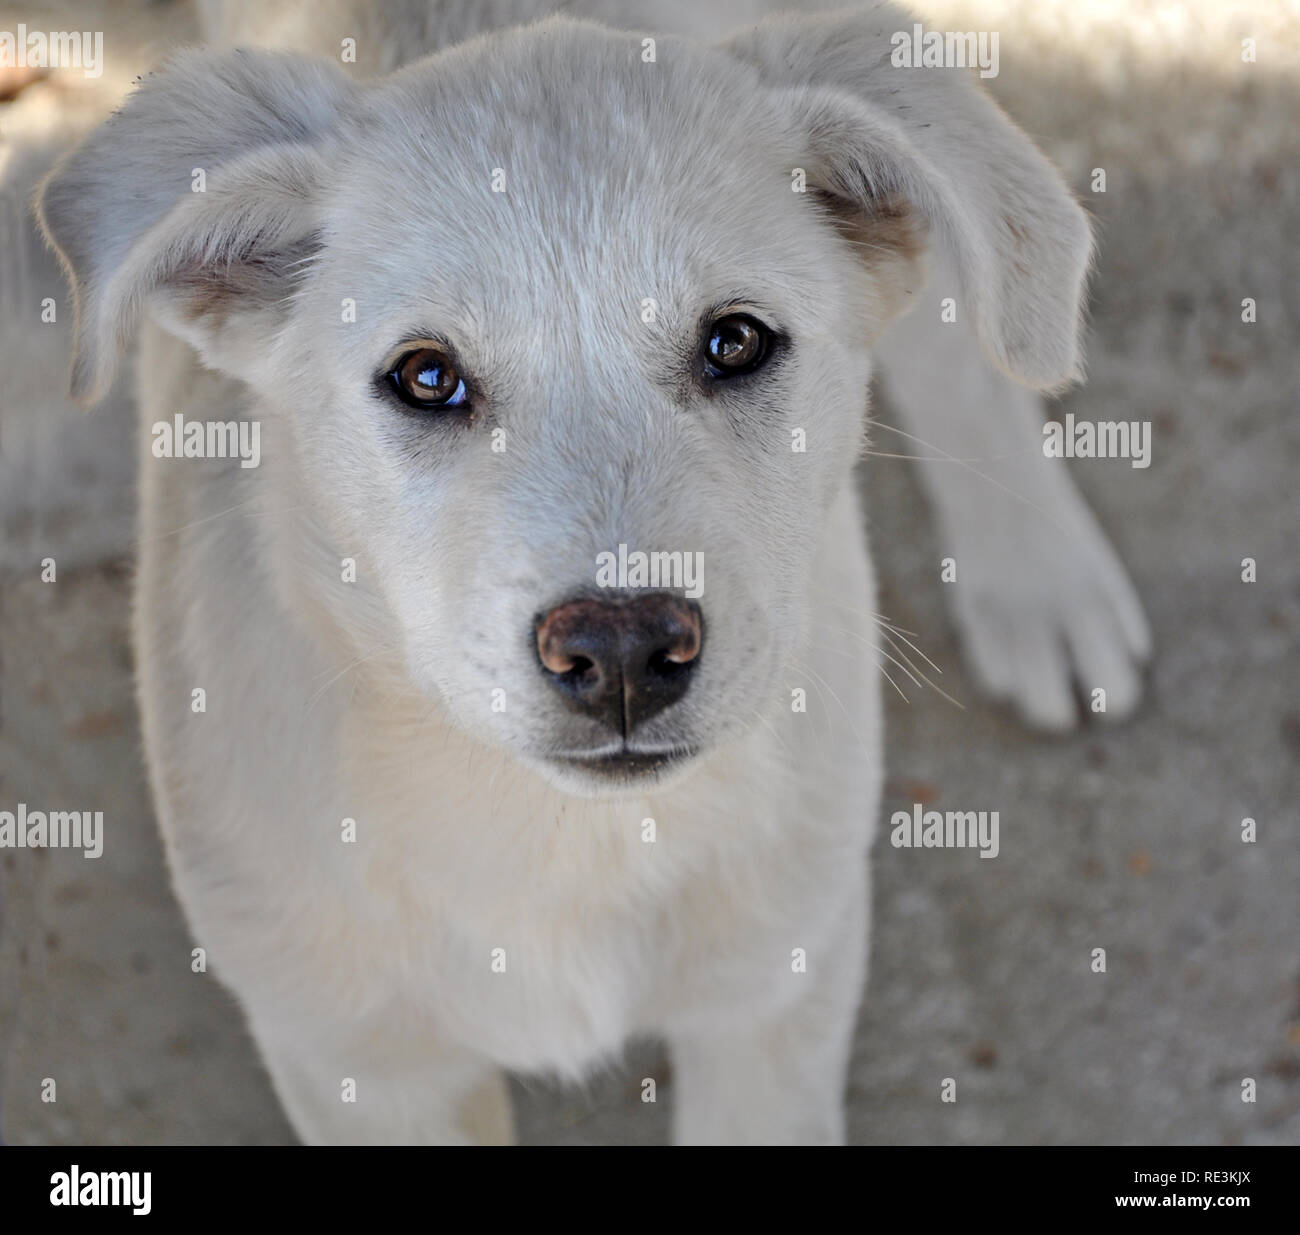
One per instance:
(878, 135)
(198, 198)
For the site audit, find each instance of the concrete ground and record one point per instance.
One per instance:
(1127, 838)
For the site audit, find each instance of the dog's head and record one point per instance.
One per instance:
(564, 337)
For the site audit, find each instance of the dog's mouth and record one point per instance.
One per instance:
(623, 765)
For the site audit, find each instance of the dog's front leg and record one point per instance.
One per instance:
(378, 1088)
(778, 1079)
(1040, 598)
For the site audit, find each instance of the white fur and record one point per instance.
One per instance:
(372, 700)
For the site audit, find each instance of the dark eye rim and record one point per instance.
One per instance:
(389, 380)
(769, 339)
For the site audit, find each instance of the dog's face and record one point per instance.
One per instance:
(567, 348)
(639, 336)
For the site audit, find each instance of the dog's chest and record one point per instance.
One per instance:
(544, 933)
(535, 996)
(520, 932)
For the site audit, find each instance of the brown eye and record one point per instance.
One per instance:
(736, 344)
(425, 378)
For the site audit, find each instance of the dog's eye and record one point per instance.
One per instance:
(735, 344)
(425, 378)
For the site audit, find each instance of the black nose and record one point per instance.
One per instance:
(621, 661)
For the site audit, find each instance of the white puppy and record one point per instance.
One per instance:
(444, 792)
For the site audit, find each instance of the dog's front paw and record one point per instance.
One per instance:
(1048, 616)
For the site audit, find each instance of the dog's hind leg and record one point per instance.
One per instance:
(1040, 598)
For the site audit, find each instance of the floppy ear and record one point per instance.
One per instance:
(929, 137)
(198, 195)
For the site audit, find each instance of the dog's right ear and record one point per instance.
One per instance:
(878, 136)
(199, 193)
